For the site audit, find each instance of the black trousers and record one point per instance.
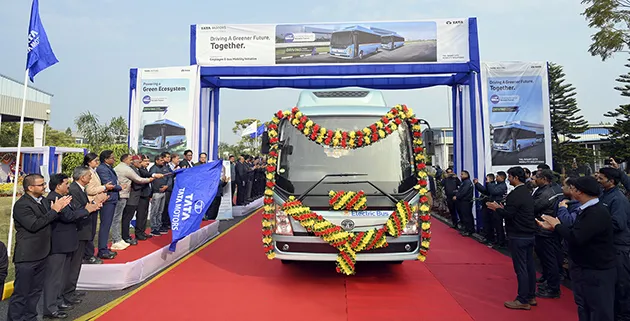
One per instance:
(73, 272)
(233, 186)
(498, 227)
(522, 252)
(622, 286)
(142, 214)
(465, 215)
(128, 213)
(241, 193)
(548, 248)
(28, 286)
(166, 219)
(452, 209)
(594, 293)
(213, 210)
(487, 217)
(57, 270)
(89, 246)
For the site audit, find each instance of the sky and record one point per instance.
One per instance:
(97, 42)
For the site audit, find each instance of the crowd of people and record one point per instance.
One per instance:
(585, 220)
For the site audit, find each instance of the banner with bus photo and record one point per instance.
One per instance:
(431, 41)
(516, 114)
(164, 113)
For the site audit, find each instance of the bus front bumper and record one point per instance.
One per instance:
(313, 248)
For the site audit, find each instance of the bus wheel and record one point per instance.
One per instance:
(518, 148)
(361, 54)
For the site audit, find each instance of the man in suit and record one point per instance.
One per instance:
(4, 266)
(187, 161)
(521, 227)
(142, 212)
(32, 246)
(64, 243)
(81, 177)
(106, 173)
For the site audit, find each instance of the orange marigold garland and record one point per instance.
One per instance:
(348, 243)
(347, 201)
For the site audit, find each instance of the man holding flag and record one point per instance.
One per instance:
(28, 272)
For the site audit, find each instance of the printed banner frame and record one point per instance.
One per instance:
(516, 115)
(440, 41)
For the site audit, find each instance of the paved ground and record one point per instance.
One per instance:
(96, 299)
(411, 52)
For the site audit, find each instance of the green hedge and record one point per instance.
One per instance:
(72, 160)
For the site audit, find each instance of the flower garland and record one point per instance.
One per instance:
(347, 243)
(347, 201)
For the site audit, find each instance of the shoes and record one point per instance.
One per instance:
(56, 315)
(120, 245)
(131, 241)
(65, 307)
(141, 237)
(92, 260)
(72, 301)
(163, 231)
(533, 302)
(148, 236)
(78, 294)
(545, 293)
(517, 305)
(107, 256)
(155, 233)
(541, 280)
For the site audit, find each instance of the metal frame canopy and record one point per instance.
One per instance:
(462, 76)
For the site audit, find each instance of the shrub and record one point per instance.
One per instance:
(72, 160)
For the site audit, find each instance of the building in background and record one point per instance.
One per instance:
(593, 138)
(37, 106)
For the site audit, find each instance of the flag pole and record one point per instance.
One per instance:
(17, 164)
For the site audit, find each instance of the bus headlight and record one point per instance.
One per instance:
(412, 226)
(283, 224)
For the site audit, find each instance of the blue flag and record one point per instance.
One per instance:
(193, 192)
(40, 55)
(259, 131)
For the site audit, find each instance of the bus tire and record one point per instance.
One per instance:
(361, 54)
(518, 148)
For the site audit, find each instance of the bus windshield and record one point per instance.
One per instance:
(386, 39)
(341, 39)
(152, 132)
(387, 163)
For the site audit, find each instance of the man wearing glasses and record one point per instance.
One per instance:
(32, 246)
(187, 161)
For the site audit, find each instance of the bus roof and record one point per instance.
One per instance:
(538, 128)
(357, 28)
(342, 101)
(165, 122)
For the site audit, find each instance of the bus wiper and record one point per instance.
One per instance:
(391, 198)
(325, 177)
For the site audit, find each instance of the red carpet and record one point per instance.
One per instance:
(144, 248)
(232, 280)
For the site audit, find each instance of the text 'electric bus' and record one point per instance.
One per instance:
(354, 42)
(308, 171)
(163, 134)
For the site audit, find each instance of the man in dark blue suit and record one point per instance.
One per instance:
(106, 173)
(64, 243)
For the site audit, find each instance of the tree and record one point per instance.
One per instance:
(69, 131)
(566, 122)
(619, 136)
(9, 133)
(97, 134)
(611, 19)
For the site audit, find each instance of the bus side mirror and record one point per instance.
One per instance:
(264, 145)
(429, 147)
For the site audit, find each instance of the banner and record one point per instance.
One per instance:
(162, 119)
(194, 190)
(434, 41)
(516, 115)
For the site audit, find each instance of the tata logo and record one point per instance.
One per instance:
(494, 99)
(347, 225)
(289, 37)
(146, 99)
(198, 206)
(455, 22)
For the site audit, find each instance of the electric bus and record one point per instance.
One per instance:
(163, 134)
(392, 41)
(308, 171)
(354, 42)
(516, 136)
